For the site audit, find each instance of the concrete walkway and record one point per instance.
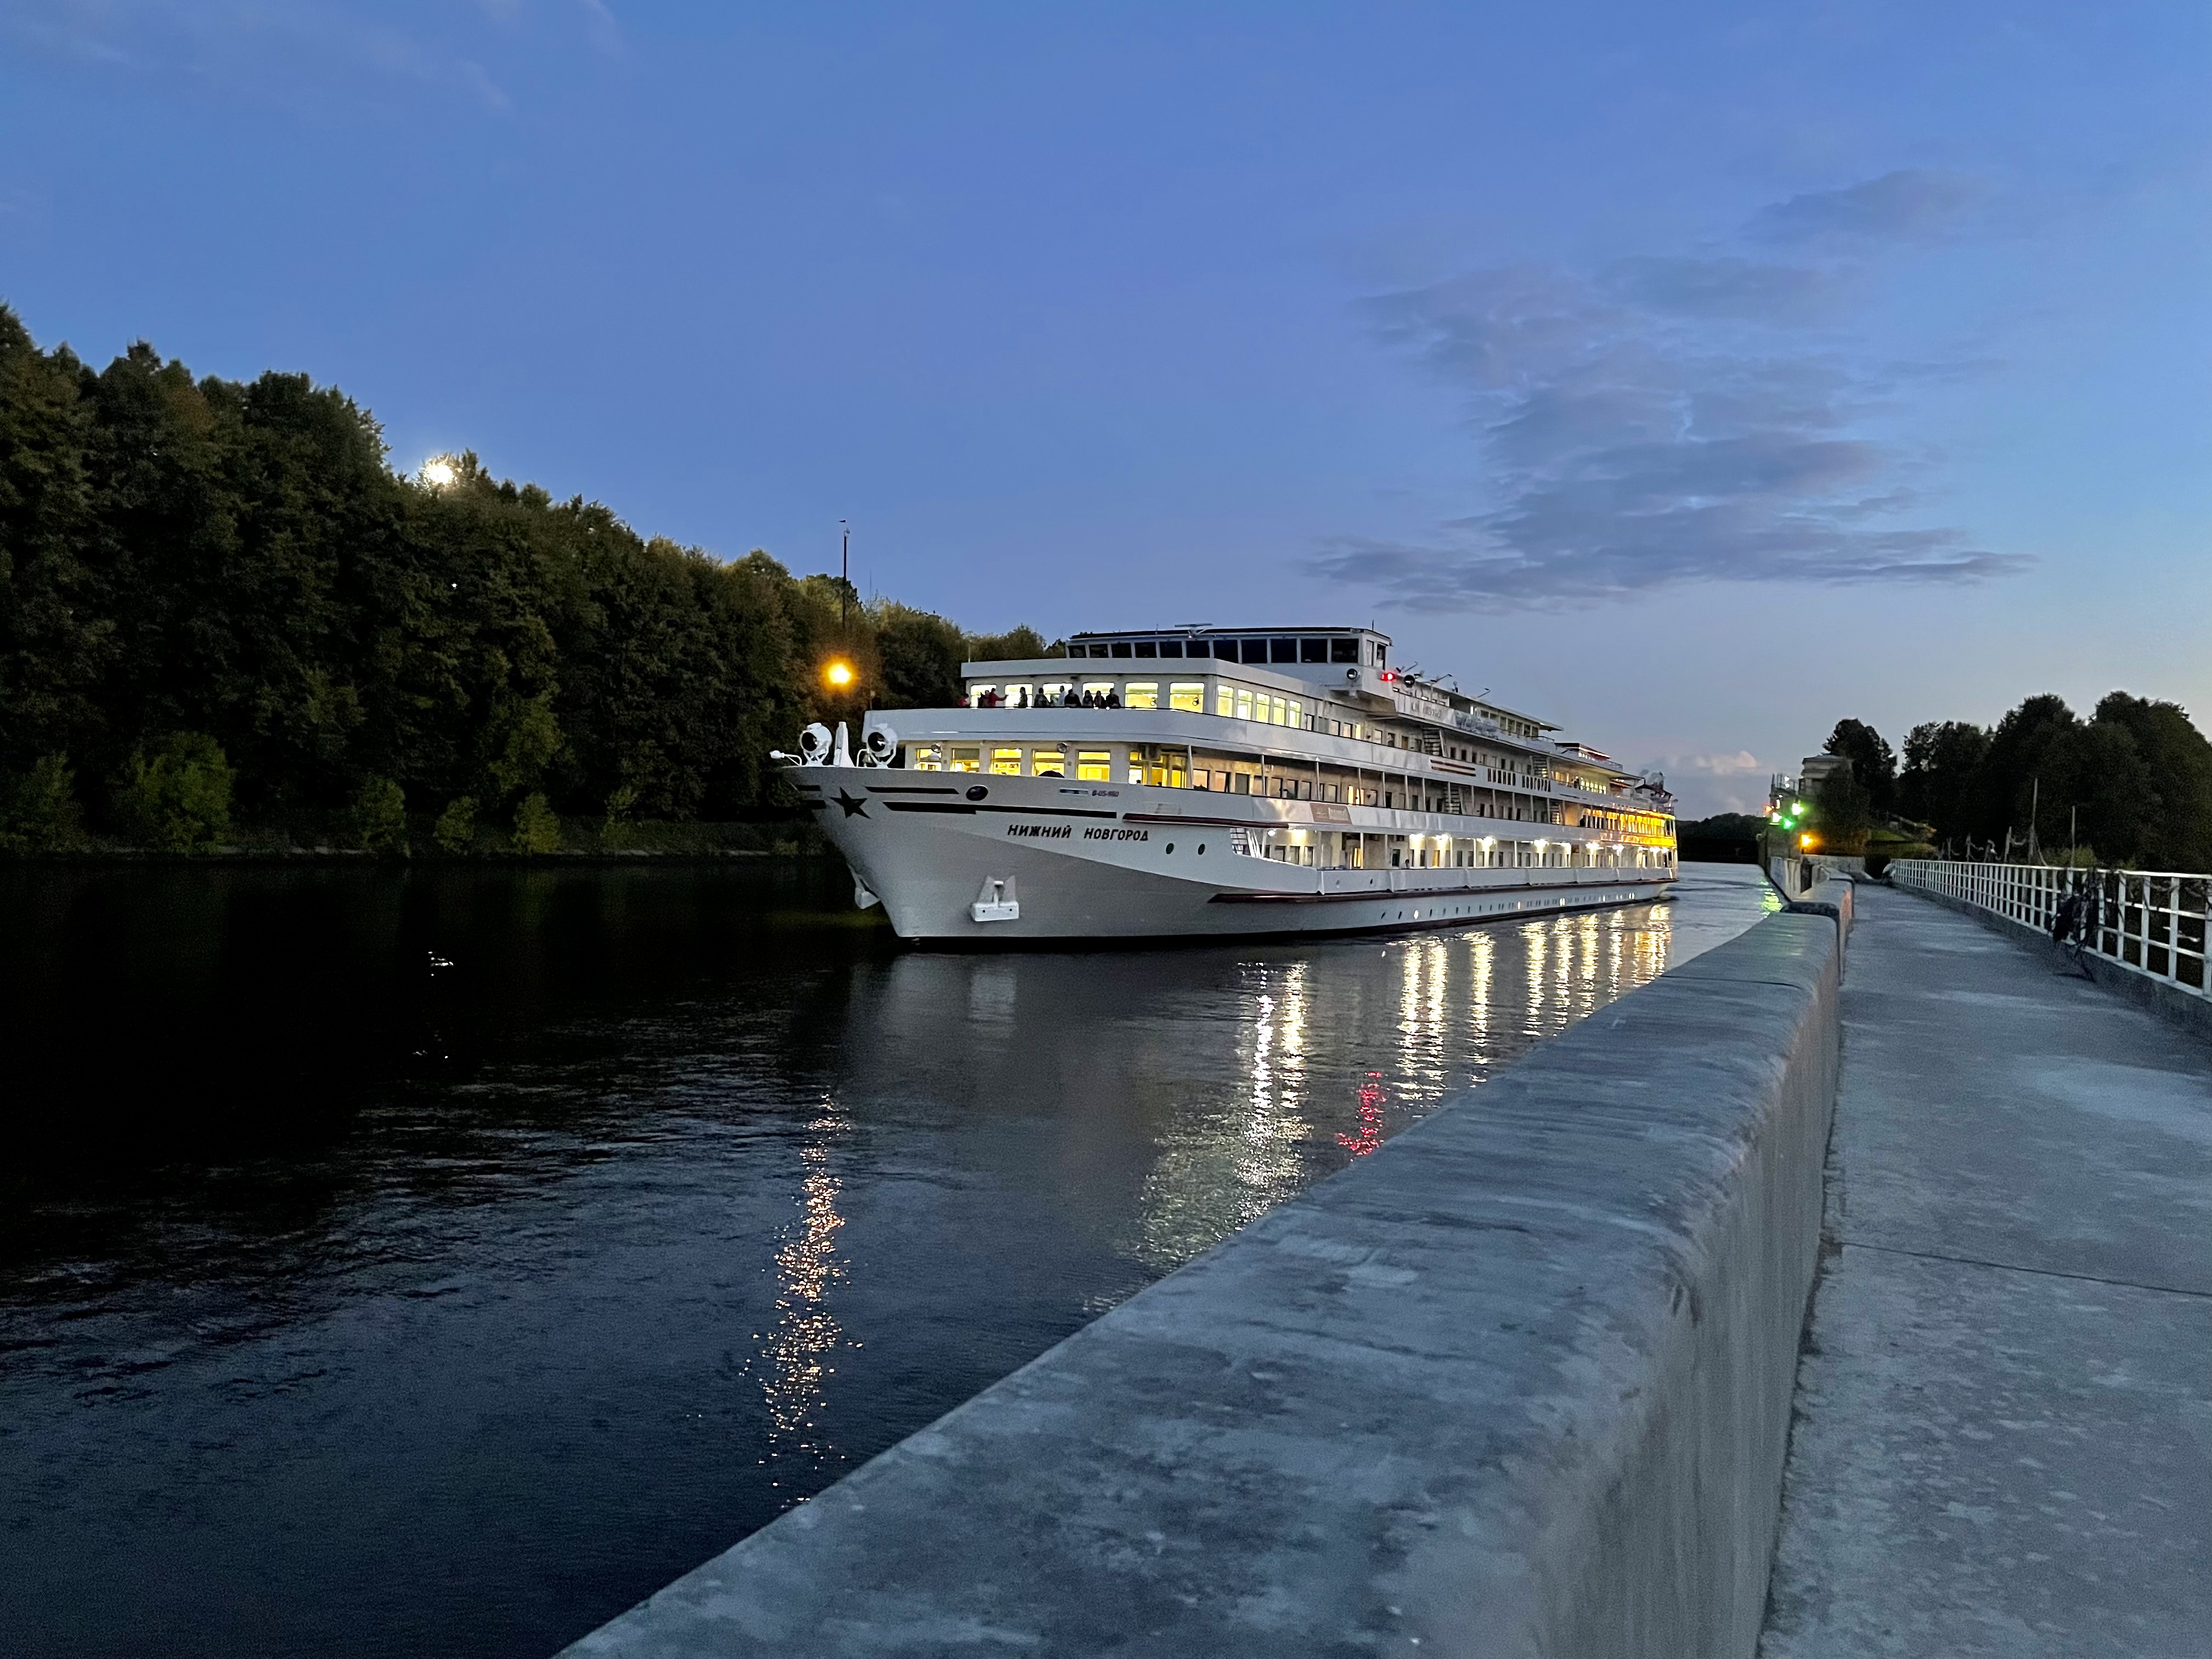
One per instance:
(2004, 1442)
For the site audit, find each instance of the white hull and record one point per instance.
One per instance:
(1103, 861)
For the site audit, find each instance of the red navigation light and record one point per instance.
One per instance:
(1388, 675)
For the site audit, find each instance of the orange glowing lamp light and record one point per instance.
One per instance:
(837, 674)
(1808, 841)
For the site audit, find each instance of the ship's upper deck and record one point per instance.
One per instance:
(1339, 682)
(1344, 662)
(1269, 710)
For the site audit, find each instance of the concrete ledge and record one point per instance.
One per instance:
(2191, 1013)
(1518, 1384)
(1829, 896)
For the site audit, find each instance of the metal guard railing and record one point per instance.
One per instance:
(2149, 922)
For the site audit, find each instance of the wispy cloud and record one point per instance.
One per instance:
(606, 34)
(1668, 419)
(1726, 781)
(298, 56)
(1748, 290)
(1914, 205)
(1716, 766)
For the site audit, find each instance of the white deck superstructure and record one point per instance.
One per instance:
(1238, 782)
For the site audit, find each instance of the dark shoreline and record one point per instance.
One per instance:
(355, 855)
(680, 844)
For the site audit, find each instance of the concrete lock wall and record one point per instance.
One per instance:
(1793, 874)
(1518, 1384)
(1829, 896)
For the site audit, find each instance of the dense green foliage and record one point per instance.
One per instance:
(1724, 838)
(218, 602)
(1874, 765)
(2131, 785)
(178, 799)
(1843, 812)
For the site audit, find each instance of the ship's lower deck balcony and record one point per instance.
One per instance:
(1359, 849)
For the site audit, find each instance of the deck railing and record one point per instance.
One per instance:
(2151, 922)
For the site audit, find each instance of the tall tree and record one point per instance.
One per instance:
(2176, 763)
(2024, 746)
(1942, 780)
(56, 636)
(921, 656)
(1873, 761)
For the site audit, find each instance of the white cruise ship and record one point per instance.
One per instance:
(1205, 781)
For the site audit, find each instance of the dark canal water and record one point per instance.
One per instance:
(437, 1262)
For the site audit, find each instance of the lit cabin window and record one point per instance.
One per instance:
(926, 757)
(1141, 694)
(1094, 765)
(1056, 691)
(977, 694)
(966, 759)
(1007, 762)
(1275, 711)
(1190, 698)
(1097, 689)
(1297, 713)
(1224, 702)
(1047, 762)
(1244, 704)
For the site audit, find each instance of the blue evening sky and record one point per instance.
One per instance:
(1690, 375)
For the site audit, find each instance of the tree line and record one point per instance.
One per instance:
(2131, 785)
(220, 605)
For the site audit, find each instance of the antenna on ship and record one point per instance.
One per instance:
(845, 579)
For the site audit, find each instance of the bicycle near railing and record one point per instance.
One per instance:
(2074, 927)
(2151, 922)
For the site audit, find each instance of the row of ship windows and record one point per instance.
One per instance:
(1091, 765)
(1230, 701)
(1096, 766)
(1173, 768)
(1242, 701)
(1170, 768)
(1271, 649)
(1441, 854)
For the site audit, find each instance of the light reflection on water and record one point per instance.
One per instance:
(806, 1335)
(1448, 1028)
(356, 1305)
